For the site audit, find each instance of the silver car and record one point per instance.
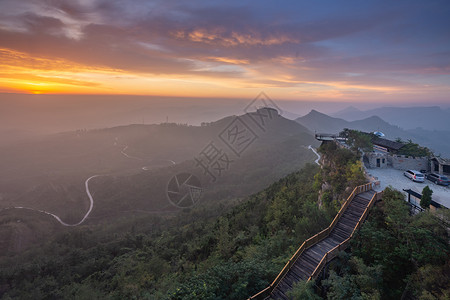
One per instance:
(414, 175)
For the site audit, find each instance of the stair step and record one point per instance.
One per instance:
(304, 270)
(278, 294)
(311, 259)
(308, 261)
(305, 266)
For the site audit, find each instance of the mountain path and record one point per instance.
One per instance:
(91, 206)
(315, 152)
(88, 193)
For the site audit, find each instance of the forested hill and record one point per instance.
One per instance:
(135, 164)
(233, 251)
(207, 252)
(192, 256)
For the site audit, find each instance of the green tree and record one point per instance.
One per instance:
(359, 281)
(303, 290)
(405, 247)
(414, 149)
(358, 140)
(425, 201)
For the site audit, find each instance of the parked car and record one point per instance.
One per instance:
(414, 175)
(438, 179)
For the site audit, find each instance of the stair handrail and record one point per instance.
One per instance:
(344, 244)
(311, 242)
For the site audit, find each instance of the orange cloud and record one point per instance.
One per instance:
(230, 60)
(21, 72)
(20, 60)
(24, 73)
(219, 36)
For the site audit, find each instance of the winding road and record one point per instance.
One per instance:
(315, 152)
(145, 168)
(86, 184)
(129, 156)
(91, 205)
(91, 199)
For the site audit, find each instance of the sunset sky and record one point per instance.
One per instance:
(395, 51)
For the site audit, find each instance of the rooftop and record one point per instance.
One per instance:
(442, 161)
(387, 143)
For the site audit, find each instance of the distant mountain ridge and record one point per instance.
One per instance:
(426, 117)
(436, 140)
(320, 122)
(350, 110)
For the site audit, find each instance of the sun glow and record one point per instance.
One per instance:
(23, 73)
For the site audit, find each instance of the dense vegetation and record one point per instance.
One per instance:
(209, 252)
(49, 173)
(223, 251)
(394, 256)
(192, 256)
(413, 149)
(340, 174)
(358, 140)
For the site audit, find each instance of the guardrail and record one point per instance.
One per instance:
(317, 238)
(342, 246)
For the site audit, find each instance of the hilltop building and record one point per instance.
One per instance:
(440, 165)
(386, 146)
(388, 154)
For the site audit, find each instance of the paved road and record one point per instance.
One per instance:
(315, 152)
(91, 205)
(396, 179)
(86, 184)
(129, 156)
(145, 168)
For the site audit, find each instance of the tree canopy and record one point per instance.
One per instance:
(425, 201)
(392, 254)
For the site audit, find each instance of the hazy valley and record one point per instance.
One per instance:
(135, 164)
